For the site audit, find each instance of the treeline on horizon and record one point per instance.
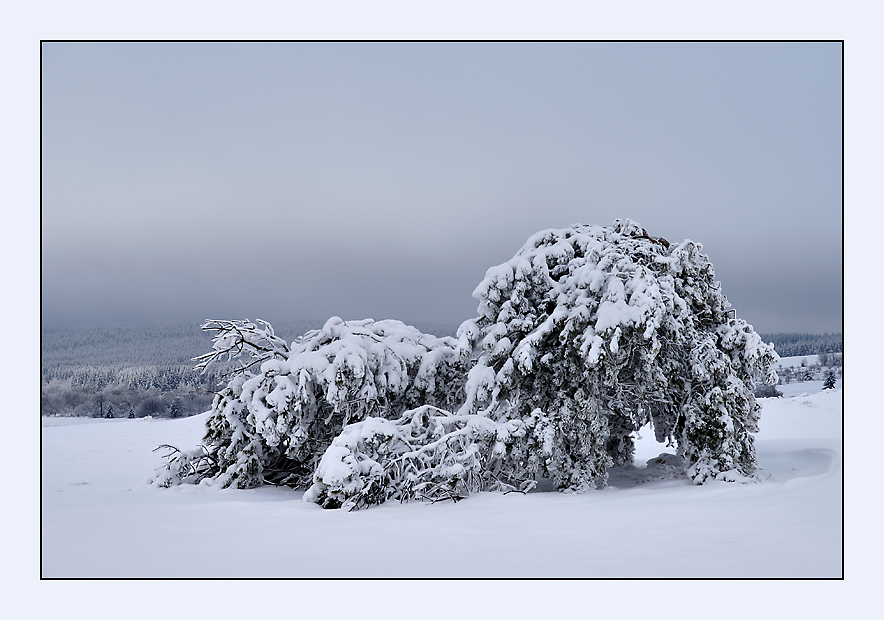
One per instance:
(136, 370)
(154, 344)
(792, 345)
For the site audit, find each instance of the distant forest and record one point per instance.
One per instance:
(791, 345)
(137, 370)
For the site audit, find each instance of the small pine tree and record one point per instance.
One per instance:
(110, 411)
(174, 409)
(830, 381)
(131, 412)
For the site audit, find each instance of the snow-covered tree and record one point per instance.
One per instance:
(829, 383)
(583, 337)
(282, 406)
(604, 329)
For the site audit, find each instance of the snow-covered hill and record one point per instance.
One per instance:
(100, 519)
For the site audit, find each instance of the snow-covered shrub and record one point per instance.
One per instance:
(427, 453)
(283, 406)
(587, 334)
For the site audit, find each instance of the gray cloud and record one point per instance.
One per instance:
(384, 179)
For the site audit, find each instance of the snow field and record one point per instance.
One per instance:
(101, 519)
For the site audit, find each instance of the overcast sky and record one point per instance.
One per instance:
(287, 181)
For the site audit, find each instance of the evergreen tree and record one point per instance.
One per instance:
(586, 335)
(110, 411)
(830, 381)
(132, 412)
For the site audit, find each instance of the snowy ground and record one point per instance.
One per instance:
(796, 361)
(802, 388)
(99, 519)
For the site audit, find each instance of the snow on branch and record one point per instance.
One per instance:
(235, 340)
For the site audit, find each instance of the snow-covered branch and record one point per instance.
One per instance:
(235, 340)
